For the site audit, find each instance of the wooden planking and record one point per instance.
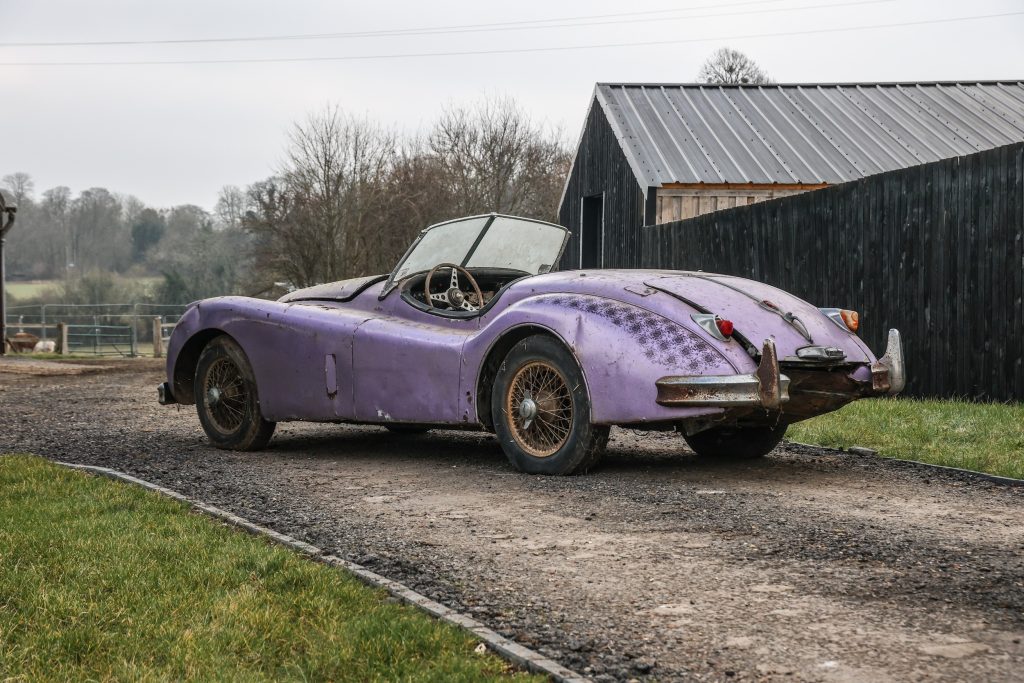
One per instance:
(935, 250)
(679, 202)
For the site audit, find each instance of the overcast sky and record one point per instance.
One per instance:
(176, 133)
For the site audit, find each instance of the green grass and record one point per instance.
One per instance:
(104, 581)
(25, 290)
(31, 289)
(986, 437)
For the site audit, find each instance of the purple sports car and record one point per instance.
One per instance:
(473, 331)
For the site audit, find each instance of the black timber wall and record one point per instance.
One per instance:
(601, 166)
(935, 250)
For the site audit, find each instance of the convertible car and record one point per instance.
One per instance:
(472, 330)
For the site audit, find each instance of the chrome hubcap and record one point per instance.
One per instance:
(213, 396)
(527, 411)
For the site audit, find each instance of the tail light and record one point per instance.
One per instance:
(717, 327)
(845, 318)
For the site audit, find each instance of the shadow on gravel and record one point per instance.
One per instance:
(478, 450)
(444, 448)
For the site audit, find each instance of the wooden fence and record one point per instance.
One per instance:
(936, 250)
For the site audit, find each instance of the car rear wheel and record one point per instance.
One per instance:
(226, 398)
(541, 410)
(740, 443)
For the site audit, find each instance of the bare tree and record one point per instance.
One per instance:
(131, 207)
(727, 66)
(495, 158)
(56, 206)
(318, 221)
(20, 185)
(351, 195)
(232, 203)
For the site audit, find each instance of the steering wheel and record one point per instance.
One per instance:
(453, 297)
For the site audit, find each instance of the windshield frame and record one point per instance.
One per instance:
(393, 281)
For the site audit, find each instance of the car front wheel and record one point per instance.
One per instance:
(541, 410)
(226, 398)
(741, 443)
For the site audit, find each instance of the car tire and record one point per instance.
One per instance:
(552, 434)
(226, 398)
(738, 443)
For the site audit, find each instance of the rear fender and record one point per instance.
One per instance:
(622, 350)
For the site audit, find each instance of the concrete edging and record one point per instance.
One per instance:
(519, 655)
(994, 478)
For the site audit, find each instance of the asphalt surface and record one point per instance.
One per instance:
(807, 565)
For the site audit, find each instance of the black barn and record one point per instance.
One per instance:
(657, 153)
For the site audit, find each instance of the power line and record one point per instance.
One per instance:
(532, 24)
(557, 48)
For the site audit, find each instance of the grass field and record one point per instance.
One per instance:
(23, 290)
(977, 436)
(104, 581)
(30, 289)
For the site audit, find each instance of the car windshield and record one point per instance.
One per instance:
(491, 241)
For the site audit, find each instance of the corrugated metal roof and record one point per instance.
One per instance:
(804, 133)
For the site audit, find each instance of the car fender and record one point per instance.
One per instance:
(316, 381)
(621, 348)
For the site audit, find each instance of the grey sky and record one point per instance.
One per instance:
(176, 133)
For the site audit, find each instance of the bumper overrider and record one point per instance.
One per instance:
(767, 387)
(164, 395)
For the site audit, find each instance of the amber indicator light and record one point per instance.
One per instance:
(851, 318)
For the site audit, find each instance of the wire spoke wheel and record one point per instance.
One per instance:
(539, 408)
(226, 395)
(227, 398)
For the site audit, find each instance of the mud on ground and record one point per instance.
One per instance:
(808, 565)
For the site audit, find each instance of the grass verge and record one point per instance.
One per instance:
(100, 580)
(986, 437)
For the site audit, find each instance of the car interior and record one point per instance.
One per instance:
(492, 283)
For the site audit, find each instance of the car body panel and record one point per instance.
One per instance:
(409, 364)
(740, 301)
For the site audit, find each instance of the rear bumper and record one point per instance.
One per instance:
(769, 388)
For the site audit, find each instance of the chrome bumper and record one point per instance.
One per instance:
(164, 395)
(767, 387)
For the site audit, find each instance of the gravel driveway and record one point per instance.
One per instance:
(808, 565)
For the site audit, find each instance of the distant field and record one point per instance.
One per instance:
(30, 289)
